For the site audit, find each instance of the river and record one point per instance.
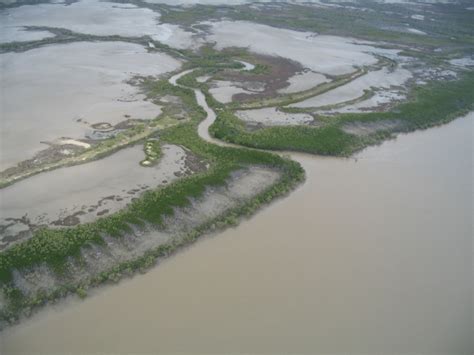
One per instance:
(369, 255)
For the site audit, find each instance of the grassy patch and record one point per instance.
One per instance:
(287, 99)
(430, 105)
(259, 69)
(153, 153)
(451, 26)
(53, 247)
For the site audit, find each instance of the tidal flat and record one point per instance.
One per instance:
(91, 17)
(341, 283)
(330, 55)
(273, 117)
(83, 193)
(94, 85)
(151, 126)
(374, 80)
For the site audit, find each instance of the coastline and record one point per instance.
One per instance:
(275, 256)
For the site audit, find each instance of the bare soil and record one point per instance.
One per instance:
(276, 78)
(241, 186)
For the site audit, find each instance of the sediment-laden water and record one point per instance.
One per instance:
(83, 193)
(78, 85)
(370, 255)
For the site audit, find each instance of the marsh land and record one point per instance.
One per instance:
(133, 128)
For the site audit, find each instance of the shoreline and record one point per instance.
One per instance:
(69, 308)
(208, 114)
(55, 263)
(231, 217)
(152, 255)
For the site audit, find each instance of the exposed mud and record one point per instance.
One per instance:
(256, 86)
(224, 90)
(92, 17)
(93, 76)
(63, 148)
(304, 81)
(273, 117)
(66, 197)
(54, 153)
(329, 55)
(241, 186)
(385, 78)
(366, 128)
(289, 292)
(463, 62)
(14, 34)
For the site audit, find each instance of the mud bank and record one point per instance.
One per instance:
(108, 258)
(384, 252)
(81, 16)
(273, 74)
(380, 79)
(85, 73)
(83, 193)
(324, 54)
(273, 117)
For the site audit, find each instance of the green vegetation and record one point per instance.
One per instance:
(365, 96)
(209, 57)
(259, 69)
(63, 36)
(452, 26)
(53, 247)
(152, 151)
(430, 105)
(287, 99)
(100, 150)
(328, 140)
(7, 4)
(153, 88)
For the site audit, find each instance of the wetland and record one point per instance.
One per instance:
(132, 129)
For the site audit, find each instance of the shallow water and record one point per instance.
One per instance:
(69, 88)
(15, 34)
(324, 54)
(86, 191)
(303, 81)
(92, 17)
(223, 91)
(379, 79)
(368, 256)
(271, 116)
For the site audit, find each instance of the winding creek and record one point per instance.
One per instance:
(203, 128)
(372, 254)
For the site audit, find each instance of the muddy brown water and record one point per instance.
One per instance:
(368, 256)
(84, 73)
(84, 192)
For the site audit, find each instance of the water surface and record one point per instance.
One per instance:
(61, 90)
(85, 192)
(368, 256)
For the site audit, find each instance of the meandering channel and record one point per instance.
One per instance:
(203, 128)
(349, 262)
(358, 259)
